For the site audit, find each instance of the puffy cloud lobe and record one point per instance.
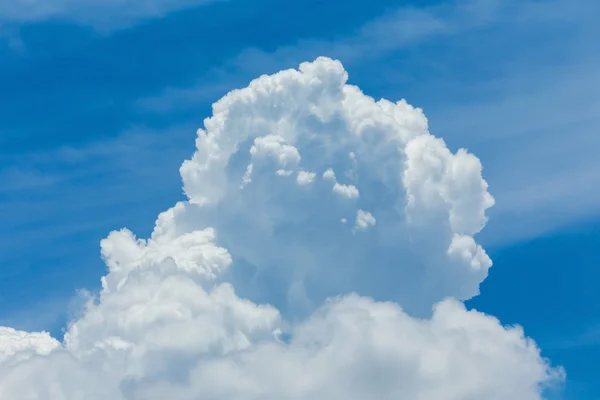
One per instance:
(464, 247)
(202, 308)
(354, 348)
(194, 252)
(364, 220)
(437, 179)
(351, 348)
(305, 178)
(329, 175)
(272, 147)
(160, 294)
(371, 155)
(17, 346)
(347, 191)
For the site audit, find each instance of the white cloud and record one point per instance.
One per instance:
(342, 190)
(274, 149)
(347, 191)
(435, 178)
(17, 346)
(201, 309)
(422, 193)
(305, 178)
(364, 220)
(329, 174)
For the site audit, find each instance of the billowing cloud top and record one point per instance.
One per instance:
(304, 196)
(375, 161)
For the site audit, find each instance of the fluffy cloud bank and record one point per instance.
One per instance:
(323, 253)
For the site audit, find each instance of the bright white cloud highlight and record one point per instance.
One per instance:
(204, 307)
(17, 346)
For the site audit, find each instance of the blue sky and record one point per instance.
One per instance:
(99, 106)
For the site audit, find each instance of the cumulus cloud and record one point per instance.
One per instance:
(305, 178)
(364, 220)
(373, 155)
(347, 191)
(253, 289)
(342, 190)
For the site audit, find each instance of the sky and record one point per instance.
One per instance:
(101, 103)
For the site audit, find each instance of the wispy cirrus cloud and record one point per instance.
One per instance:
(102, 14)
